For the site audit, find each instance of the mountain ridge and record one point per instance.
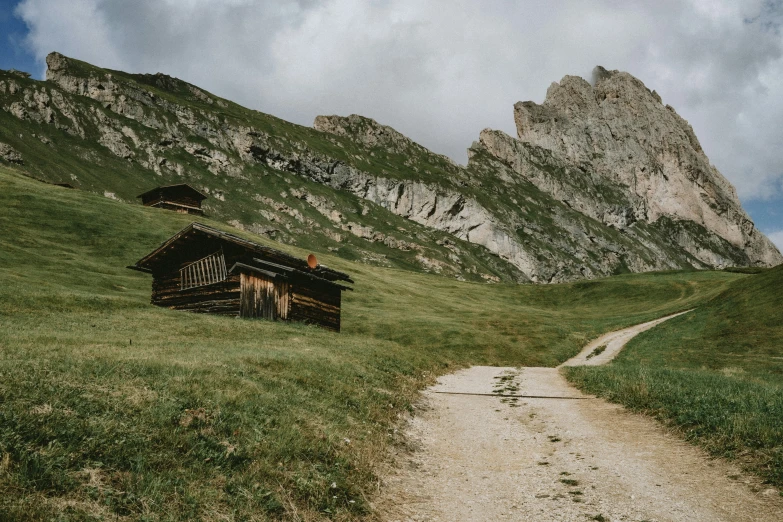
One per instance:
(522, 209)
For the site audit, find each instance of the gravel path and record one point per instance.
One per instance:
(613, 343)
(484, 458)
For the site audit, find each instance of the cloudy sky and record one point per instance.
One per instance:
(442, 70)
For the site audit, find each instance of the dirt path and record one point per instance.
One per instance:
(480, 457)
(614, 342)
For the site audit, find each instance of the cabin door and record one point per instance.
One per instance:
(264, 297)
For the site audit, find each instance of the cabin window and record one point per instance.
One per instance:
(205, 271)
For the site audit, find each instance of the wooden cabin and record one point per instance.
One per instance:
(201, 269)
(180, 198)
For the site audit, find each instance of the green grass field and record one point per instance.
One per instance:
(113, 409)
(716, 374)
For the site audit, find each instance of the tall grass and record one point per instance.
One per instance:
(716, 374)
(113, 409)
(730, 417)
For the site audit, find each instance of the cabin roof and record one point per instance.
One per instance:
(273, 257)
(181, 187)
(176, 204)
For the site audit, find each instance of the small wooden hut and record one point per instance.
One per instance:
(201, 269)
(180, 198)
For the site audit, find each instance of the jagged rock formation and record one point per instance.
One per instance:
(118, 134)
(370, 134)
(601, 180)
(10, 154)
(621, 131)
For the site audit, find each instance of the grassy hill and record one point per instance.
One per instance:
(112, 408)
(274, 203)
(357, 189)
(716, 374)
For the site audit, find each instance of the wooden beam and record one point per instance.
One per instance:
(241, 267)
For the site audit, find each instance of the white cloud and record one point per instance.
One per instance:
(441, 70)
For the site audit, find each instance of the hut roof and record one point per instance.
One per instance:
(271, 257)
(182, 188)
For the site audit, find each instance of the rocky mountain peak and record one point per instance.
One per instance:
(601, 73)
(56, 62)
(602, 178)
(363, 130)
(74, 76)
(619, 129)
(371, 134)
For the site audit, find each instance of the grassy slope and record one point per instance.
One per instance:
(111, 407)
(90, 166)
(716, 373)
(518, 204)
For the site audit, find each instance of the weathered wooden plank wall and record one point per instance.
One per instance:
(264, 297)
(220, 298)
(318, 304)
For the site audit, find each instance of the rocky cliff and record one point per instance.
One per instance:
(622, 132)
(601, 180)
